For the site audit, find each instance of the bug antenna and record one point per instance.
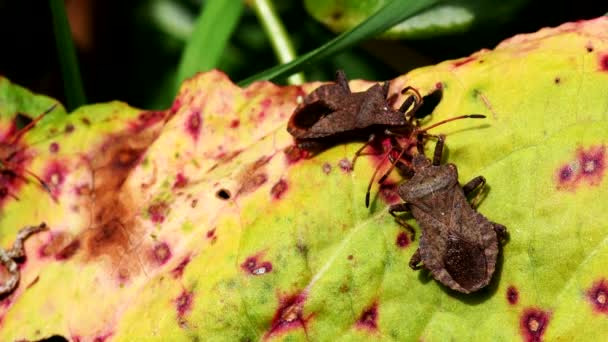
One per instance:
(29, 126)
(470, 116)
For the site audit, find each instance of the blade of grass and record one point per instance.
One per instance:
(279, 39)
(212, 30)
(388, 16)
(72, 83)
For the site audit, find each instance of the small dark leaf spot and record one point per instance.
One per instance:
(337, 15)
(161, 253)
(349, 257)
(589, 47)
(369, 318)
(345, 165)
(557, 80)
(439, 85)
(193, 124)
(179, 269)
(254, 266)
(180, 181)
(158, 211)
(293, 154)
(86, 121)
(402, 240)
(68, 251)
(289, 315)
(604, 63)
(69, 128)
(278, 190)
(512, 295)
(533, 324)
(183, 304)
(235, 123)
(54, 147)
(464, 61)
(326, 168)
(193, 203)
(223, 194)
(211, 234)
(598, 296)
(54, 338)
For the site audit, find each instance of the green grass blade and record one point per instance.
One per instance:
(279, 39)
(212, 30)
(72, 83)
(388, 16)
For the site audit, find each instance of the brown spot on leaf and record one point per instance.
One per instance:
(193, 124)
(402, 240)
(464, 61)
(294, 154)
(158, 211)
(146, 119)
(253, 176)
(54, 147)
(178, 271)
(326, 168)
(183, 305)
(598, 296)
(68, 251)
(180, 181)
(369, 318)
(69, 128)
(603, 62)
(289, 315)
(235, 123)
(161, 253)
(533, 324)
(512, 295)
(345, 165)
(254, 266)
(278, 190)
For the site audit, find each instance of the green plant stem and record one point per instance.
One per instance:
(72, 82)
(281, 44)
(388, 16)
(212, 30)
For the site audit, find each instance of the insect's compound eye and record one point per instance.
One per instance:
(223, 194)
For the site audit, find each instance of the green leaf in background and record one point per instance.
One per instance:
(200, 222)
(392, 13)
(447, 17)
(212, 30)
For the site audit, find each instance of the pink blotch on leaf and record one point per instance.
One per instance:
(180, 181)
(598, 296)
(235, 123)
(161, 253)
(294, 154)
(183, 304)
(158, 211)
(463, 61)
(193, 124)
(388, 193)
(512, 295)
(369, 318)
(603, 62)
(289, 315)
(345, 165)
(175, 106)
(278, 190)
(145, 120)
(54, 176)
(54, 147)
(326, 168)
(178, 271)
(103, 337)
(265, 104)
(589, 166)
(211, 234)
(402, 240)
(254, 266)
(533, 324)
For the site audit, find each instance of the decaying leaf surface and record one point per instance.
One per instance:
(200, 223)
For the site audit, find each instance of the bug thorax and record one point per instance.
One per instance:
(420, 162)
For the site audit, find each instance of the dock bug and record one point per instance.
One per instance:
(458, 245)
(333, 114)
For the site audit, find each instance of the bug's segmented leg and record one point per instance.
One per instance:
(7, 258)
(416, 260)
(398, 208)
(438, 150)
(476, 183)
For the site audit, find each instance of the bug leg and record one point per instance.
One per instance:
(501, 231)
(474, 184)
(342, 81)
(438, 150)
(416, 98)
(416, 260)
(359, 152)
(7, 258)
(401, 207)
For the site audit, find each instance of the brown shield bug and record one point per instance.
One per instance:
(458, 245)
(9, 258)
(332, 114)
